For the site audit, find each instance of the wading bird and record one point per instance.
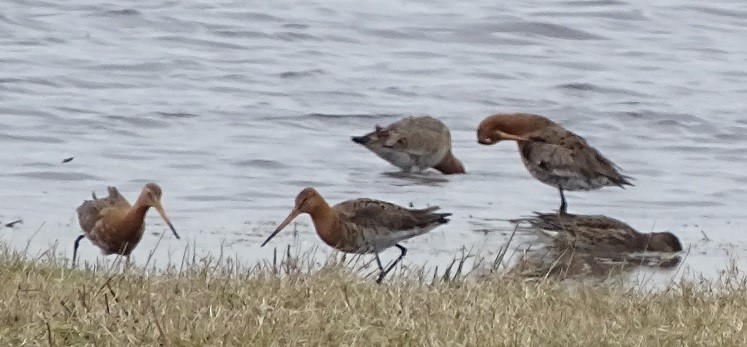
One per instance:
(363, 225)
(115, 226)
(414, 144)
(602, 234)
(552, 154)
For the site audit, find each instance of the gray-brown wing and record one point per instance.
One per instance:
(419, 135)
(378, 215)
(566, 154)
(565, 221)
(89, 212)
(587, 230)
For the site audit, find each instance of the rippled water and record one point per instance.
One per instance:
(234, 107)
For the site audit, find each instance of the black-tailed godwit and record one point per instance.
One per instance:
(363, 225)
(414, 144)
(552, 154)
(115, 226)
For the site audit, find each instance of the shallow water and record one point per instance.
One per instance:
(233, 108)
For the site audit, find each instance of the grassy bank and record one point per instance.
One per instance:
(210, 303)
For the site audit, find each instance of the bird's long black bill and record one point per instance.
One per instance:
(360, 139)
(160, 210)
(291, 216)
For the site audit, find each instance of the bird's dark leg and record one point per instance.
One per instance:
(378, 262)
(563, 204)
(385, 272)
(75, 247)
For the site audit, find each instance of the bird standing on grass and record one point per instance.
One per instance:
(363, 225)
(115, 226)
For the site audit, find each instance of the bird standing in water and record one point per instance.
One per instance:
(115, 226)
(363, 225)
(552, 154)
(414, 144)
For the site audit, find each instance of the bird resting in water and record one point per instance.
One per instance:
(115, 226)
(602, 234)
(552, 154)
(414, 144)
(363, 225)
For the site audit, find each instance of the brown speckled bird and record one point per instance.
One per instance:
(363, 225)
(602, 234)
(552, 154)
(414, 144)
(113, 225)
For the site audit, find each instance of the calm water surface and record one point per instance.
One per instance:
(233, 107)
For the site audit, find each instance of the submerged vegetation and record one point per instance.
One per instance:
(288, 301)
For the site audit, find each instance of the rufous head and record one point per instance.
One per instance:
(663, 242)
(306, 202)
(497, 128)
(151, 196)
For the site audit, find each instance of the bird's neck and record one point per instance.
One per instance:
(326, 223)
(136, 215)
(522, 124)
(450, 165)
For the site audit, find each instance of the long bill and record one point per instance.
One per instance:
(160, 210)
(293, 214)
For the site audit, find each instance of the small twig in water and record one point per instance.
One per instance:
(503, 250)
(13, 223)
(28, 243)
(705, 237)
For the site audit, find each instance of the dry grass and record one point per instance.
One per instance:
(215, 303)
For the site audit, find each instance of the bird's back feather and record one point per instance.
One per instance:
(91, 211)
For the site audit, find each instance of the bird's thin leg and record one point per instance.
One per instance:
(385, 272)
(401, 255)
(378, 262)
(563, 205)
(75, 247)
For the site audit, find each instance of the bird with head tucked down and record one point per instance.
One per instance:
(552, 154)
(414, 144)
